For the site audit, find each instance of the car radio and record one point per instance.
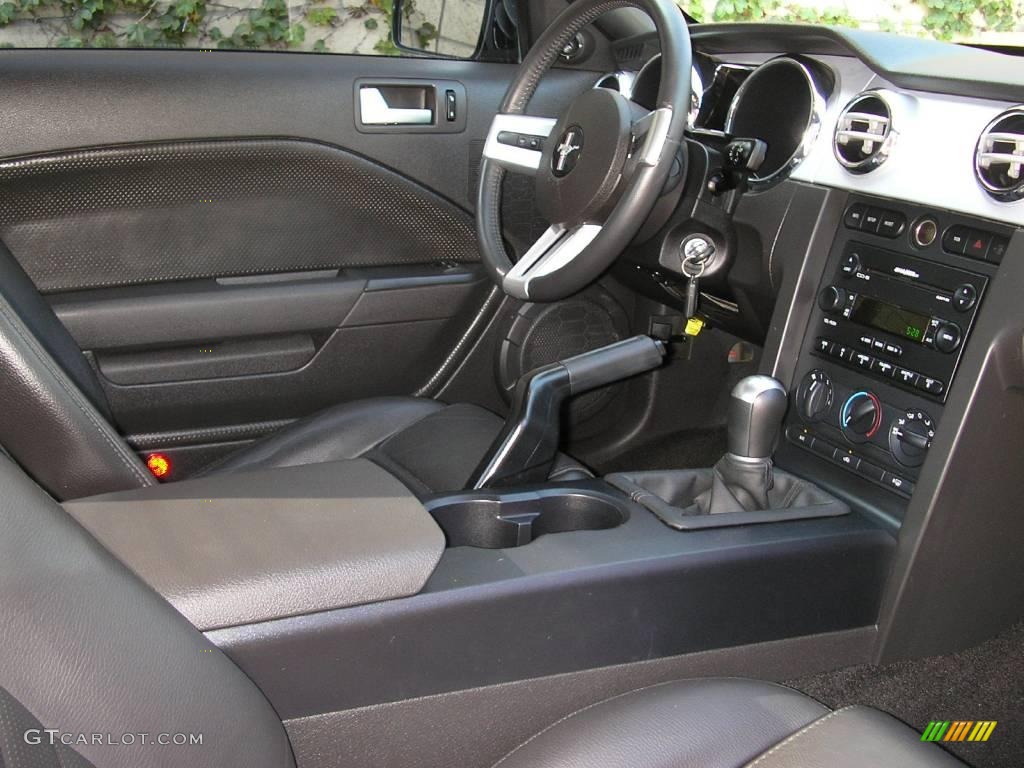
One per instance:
(898, 317)
(895, 309)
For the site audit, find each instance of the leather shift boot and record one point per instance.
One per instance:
(738, 485)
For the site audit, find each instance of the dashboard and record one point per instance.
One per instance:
(834, 121)
(916, 150)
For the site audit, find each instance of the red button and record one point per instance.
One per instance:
(977, 244)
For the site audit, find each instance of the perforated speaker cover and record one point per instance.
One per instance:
(539, 334)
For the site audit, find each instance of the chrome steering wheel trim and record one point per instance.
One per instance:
(585, 241)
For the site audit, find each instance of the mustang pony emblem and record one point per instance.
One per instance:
(567, 153)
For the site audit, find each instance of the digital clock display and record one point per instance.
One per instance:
(891, 318)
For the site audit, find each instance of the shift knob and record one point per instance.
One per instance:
(755, 415)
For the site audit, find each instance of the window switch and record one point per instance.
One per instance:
(449, 106)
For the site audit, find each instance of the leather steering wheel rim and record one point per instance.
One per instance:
(572, 254)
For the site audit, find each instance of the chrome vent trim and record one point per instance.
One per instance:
(999, 157)
(864, 134)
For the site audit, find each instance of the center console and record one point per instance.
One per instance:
(895, 310)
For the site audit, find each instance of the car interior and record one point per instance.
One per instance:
(603, 387)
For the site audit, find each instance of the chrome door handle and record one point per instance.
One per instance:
(374, 110)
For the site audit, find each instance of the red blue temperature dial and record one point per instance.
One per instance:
(861, 416)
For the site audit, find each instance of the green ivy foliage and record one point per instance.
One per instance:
(942, 19)
(275, 25)
(948, 18)
(188, 23)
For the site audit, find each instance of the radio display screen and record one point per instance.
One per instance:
(889, 317)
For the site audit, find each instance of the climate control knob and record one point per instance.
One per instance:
(814, 396)
(861, 416)
(832, 299)
(910, 437)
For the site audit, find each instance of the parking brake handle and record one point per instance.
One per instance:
(525, 449)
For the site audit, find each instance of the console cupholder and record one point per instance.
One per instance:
(499, 521)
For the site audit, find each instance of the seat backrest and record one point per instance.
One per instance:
(56, 420)
(87, 648)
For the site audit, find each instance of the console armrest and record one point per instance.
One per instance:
(260, 545)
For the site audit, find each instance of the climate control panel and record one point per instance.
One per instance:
(857, 430)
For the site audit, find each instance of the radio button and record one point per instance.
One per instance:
(872, 218)
(894, 349)
(867, 341)
(906, 376)
(878, 344)
(851, 264)
(947, 337)
(891, 224)
(832, 299)
(964, 297)
(843, 353)
(855, 216)
(931, 386)
(885, 369)
(955, 240)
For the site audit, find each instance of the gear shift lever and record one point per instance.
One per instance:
(743, 477)
(755, 414)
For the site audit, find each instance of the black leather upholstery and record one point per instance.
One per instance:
(429, 446)
(725, 723)
(56, 421)
(87, 647)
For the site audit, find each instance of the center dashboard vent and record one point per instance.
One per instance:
(864, 133)
(999, 156)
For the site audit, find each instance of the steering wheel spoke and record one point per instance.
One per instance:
(553, 250)
(516, 142)
(650, 134)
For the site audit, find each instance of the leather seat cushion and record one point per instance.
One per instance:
(724, 723)
(429, 446)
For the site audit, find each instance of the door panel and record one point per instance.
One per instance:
(56, 100)
(226, 244)
(177, 211)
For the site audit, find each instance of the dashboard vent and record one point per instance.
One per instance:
(999, 156)
(864, 133)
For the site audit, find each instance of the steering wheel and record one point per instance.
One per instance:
(598, 169)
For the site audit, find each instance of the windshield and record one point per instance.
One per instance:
(990, 22)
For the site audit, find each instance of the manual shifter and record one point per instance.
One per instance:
(743, 477)
(744, 485)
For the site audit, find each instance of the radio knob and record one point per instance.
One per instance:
(861, 416)
(947, 337)
(814, 396)
(910, 438)
(832, 299)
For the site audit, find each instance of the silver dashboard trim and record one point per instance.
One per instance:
(888, 141)
(1001, 194)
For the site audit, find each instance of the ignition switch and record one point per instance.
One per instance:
(696, 249)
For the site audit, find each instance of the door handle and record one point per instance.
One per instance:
(374, 110)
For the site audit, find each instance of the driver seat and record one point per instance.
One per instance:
(58, 424)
